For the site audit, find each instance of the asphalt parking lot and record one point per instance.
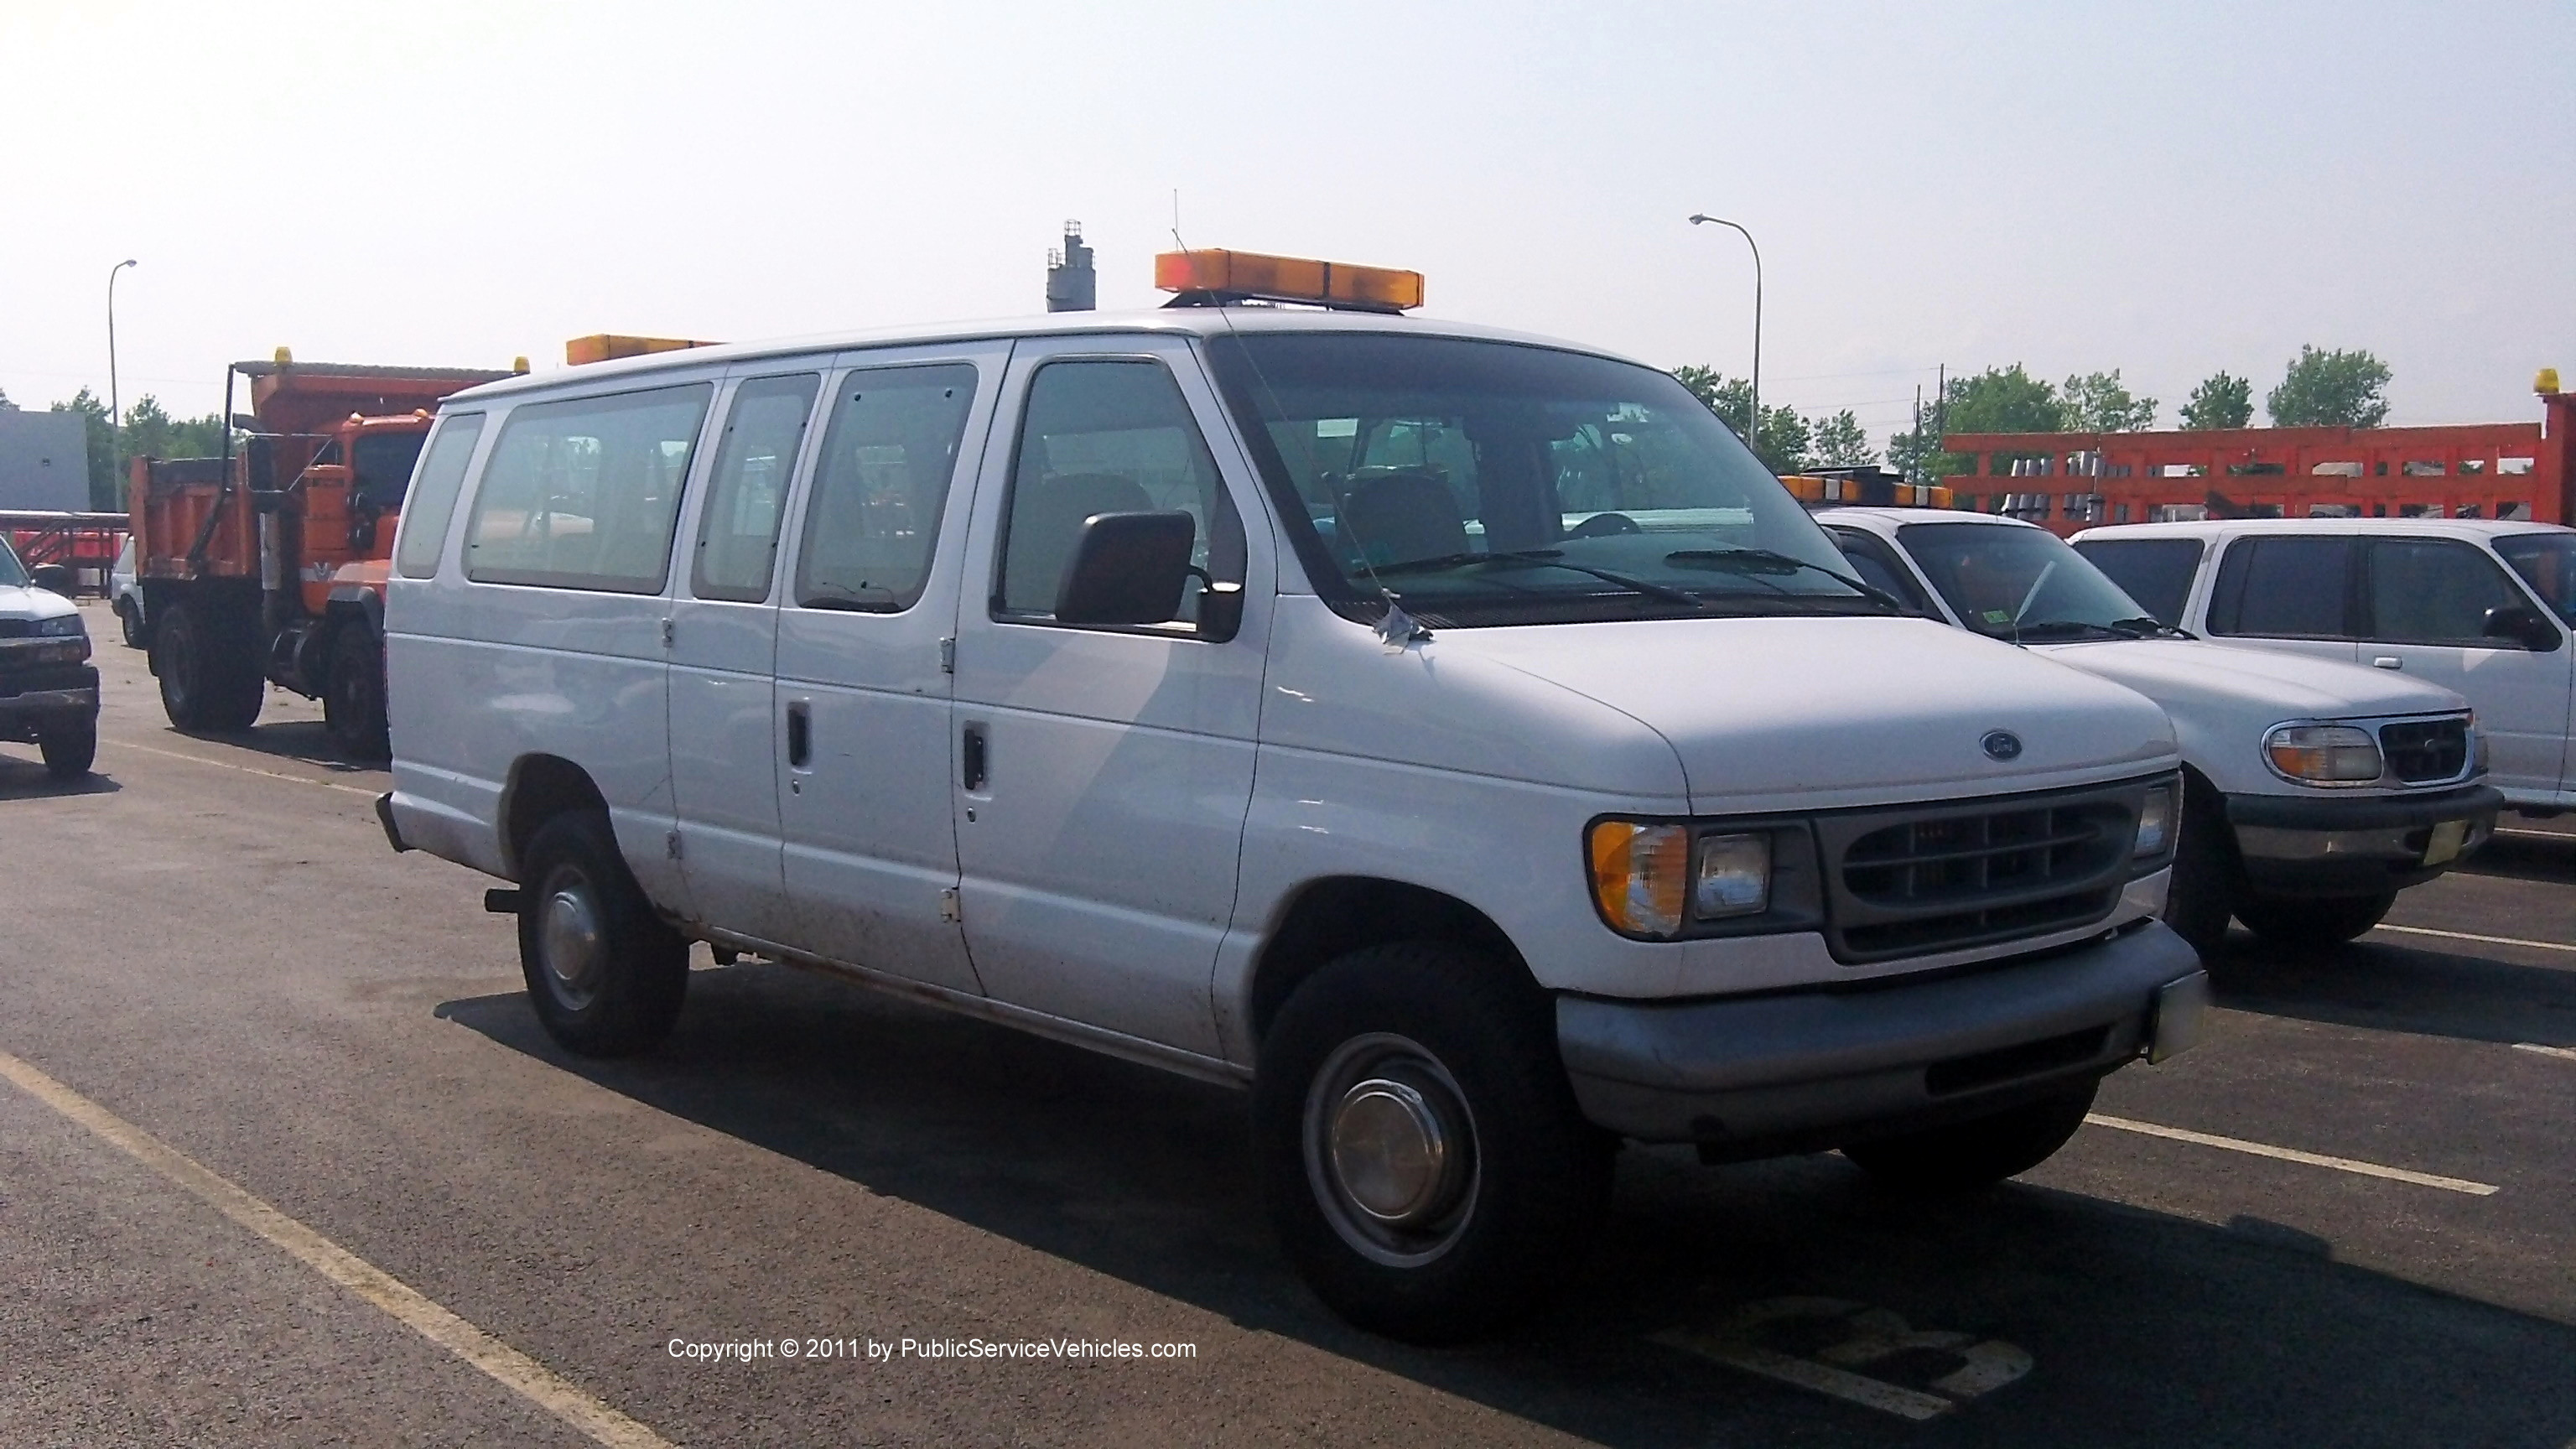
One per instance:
(284, 1158)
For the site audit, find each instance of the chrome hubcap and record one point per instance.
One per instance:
(569, 940)
(1390, 1149)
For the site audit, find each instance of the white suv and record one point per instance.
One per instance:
(1458, 738)
(2315, 791)
(2475, 606)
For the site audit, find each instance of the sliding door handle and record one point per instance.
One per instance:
(970, 758)
(800, 735)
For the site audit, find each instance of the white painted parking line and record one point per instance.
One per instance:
(507, 1366)
(2568, 836)
(2547, 1051)
(2485, 940)
(1869, 1336)
(2292, 1154)
(246, 769)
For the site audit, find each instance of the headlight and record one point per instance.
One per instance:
(1649, 879)
(2477, 746)
(2155, 823)
(2322, 754)
(60, 627)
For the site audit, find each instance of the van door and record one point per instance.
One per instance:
(2428, 603)
(2295, 593)
(864, 628)
(1104, 773)
(724, 644)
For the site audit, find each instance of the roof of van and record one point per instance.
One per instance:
(2465, 528)
(1183, 321)
(1889, 514)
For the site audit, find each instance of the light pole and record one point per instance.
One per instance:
(1753, 434)
(115, 415)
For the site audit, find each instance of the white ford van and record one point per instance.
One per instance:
(2314, 790)
(1456, 737)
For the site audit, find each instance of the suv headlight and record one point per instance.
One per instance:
(2322, 754)
(61, 627)
(1648, 879)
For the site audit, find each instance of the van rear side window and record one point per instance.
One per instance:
(433, 503)
(584, 493)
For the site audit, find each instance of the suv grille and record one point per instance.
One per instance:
(2424, 750)
(1906, 882)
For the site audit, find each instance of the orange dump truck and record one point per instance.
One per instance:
(268, 564)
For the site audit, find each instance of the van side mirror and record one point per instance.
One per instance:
(52, 576)
(2523, 628)
(1127, 568)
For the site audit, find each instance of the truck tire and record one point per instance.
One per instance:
(606, 975)
(1423, 1158)
(353, 697)
(2207, 878)
(209, 672)
(1967, 1156)
(2311, 923)
(69, 747)
(129, 619)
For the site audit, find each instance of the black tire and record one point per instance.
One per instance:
(353, 697)
(607, 976)
(129, 619)
(1967, 1156)
(2320, 923)
(209, 672)
(2207, 876)
(69, 747)
(1427, 1043)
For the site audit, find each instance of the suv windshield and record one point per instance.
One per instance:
(2547, 562)
(13, 575)
(2022, 584)
(1494, 483)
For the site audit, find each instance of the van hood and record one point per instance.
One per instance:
(28, 602)
(1815, 713)
(2190, 674)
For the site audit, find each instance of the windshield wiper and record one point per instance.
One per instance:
(1546, 558)
(1771, 561)
(2143, 627)
(2065, 628)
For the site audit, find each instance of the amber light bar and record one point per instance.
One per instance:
(603, 346)
(1229, 275)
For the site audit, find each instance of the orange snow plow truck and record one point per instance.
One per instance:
(268, 564)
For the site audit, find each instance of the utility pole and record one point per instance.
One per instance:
(1753, 431)
(115, 405)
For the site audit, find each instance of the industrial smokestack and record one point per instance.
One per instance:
(1071, 284)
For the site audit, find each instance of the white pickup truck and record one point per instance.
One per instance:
(2314, 790)
(48, 688)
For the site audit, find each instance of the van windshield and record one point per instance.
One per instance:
(1493, 483)
(2022, 584)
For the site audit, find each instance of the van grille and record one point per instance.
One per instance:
(2420, 751)
(1908, 882)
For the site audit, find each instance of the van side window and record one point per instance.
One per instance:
(881, 485)
(584, 493)
(2284, 588)
(433, 503)
(2156, 572)
(2432, 591)
(1107, 436)
(738, 530)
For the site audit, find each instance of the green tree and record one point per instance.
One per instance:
(2224, 401)
(1997, 400)
(1786, 436)
(1839, 442)
(2330, 389)
(2100, 403)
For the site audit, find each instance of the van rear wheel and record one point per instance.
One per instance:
(606, 975)
(1967, 1156)
(1426, 1166)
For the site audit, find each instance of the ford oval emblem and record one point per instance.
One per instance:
(2001, 745)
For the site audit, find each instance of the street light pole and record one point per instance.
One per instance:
(115, 413)
(1753, 434)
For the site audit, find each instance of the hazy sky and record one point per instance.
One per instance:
(2168, 189)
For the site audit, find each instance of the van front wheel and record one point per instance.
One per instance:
(1426, 1166)
(606, 976)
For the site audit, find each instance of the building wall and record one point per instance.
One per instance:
(44, 460)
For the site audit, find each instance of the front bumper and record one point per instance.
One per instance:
(33, 698)
(2340, 846)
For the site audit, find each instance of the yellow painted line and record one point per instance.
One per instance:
(2292, 1154)
(505, 1365)
(2483, 940)
(2547, 1051)
(246, 769)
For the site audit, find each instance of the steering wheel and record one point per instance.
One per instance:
(1602, 525)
